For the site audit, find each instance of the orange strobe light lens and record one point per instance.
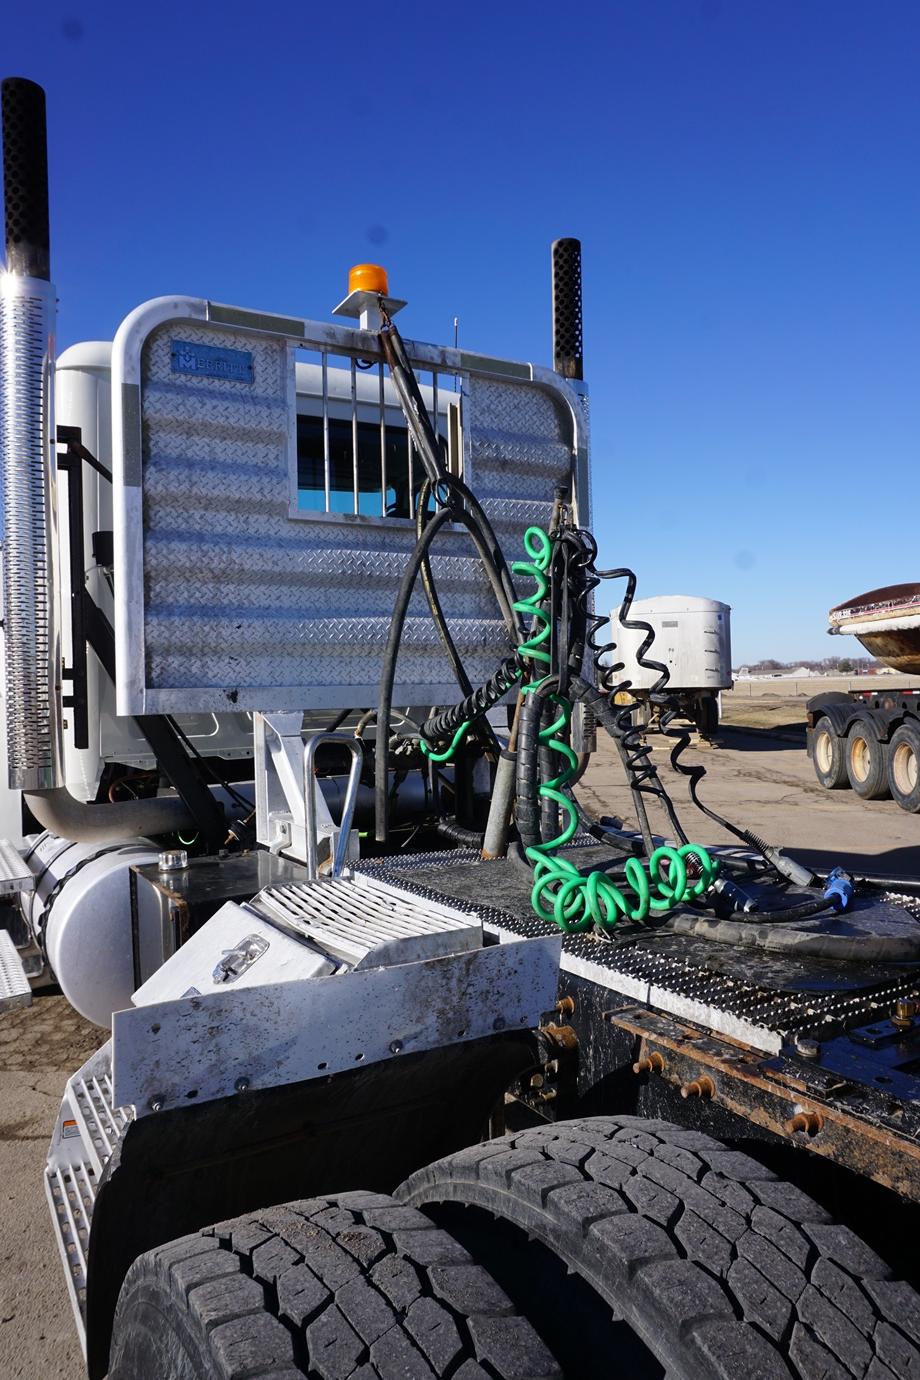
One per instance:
(368, 278)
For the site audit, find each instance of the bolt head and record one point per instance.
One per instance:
(806, 1048)
(241, 1084)
(172, 860)
(396, 1046)
(157, 1102)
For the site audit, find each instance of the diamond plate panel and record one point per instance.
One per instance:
(247, 608)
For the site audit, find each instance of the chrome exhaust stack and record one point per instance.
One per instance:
(31, 637)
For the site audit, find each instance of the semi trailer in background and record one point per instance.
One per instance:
(869, 739)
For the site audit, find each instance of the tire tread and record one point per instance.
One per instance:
(692, 1242)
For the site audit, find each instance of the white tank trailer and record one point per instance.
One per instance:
(692, 638)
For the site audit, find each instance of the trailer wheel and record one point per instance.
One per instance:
(353, 1285)
(904, 767)
(829, 756)
(867, 763)
(706, 715)
(719, 1268)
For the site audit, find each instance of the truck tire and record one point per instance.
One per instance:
(904, 767)
(353, 1285)
(706, 715)
(829, 756)
(719, 1268)
(867, 762)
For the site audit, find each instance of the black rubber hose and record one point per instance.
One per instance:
(467, 838)
(412, 402)
(484, 698)
(397, 622)
(497, 559)
(609, 720)
(440, 622)
(388, 670)
(527, 782)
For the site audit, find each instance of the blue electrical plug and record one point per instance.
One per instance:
(839, 888)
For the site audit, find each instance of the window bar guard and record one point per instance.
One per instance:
(354, 430)
(383, 444)
(327, 465)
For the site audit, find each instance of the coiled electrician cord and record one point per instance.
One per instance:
(561, 893)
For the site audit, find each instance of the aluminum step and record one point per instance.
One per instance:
(15, 875)
(88, 1128)
(15, 988)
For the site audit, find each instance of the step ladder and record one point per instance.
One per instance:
(89, 1126)
(15, 876)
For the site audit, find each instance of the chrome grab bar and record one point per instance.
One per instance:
(348, 809)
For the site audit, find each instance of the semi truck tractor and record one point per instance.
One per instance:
(408, 1065)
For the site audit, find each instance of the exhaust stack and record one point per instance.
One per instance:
(31, 660)
(568, 357)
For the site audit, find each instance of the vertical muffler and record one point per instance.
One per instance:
(31, 646)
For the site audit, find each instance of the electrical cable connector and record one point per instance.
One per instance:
(839, 888)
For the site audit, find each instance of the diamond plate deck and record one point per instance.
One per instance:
(754, 999)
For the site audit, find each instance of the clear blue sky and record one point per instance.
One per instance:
(744, 176)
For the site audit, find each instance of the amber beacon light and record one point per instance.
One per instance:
(368, 278)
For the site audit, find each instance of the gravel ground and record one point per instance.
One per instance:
(40, 1046)
(757, 773)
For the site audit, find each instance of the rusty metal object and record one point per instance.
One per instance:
(699, 1087)
(650, 1063)
(903, 1014)
(563, 1037)
(805, 1123)
(565, 1006)
(872, 1139)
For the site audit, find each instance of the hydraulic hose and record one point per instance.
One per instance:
(397, 622)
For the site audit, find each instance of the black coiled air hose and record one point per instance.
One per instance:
(481, 700)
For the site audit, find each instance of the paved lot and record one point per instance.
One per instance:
(759, 776)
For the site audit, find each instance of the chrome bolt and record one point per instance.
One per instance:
(807, 1048)
(396, 1046)
(241, 1084)
(157, 1102)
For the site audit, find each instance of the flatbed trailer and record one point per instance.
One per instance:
(412, 1067)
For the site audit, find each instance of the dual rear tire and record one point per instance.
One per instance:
(597, 1247)
(875, 770)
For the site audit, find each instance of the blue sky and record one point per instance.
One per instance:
(743, 177)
